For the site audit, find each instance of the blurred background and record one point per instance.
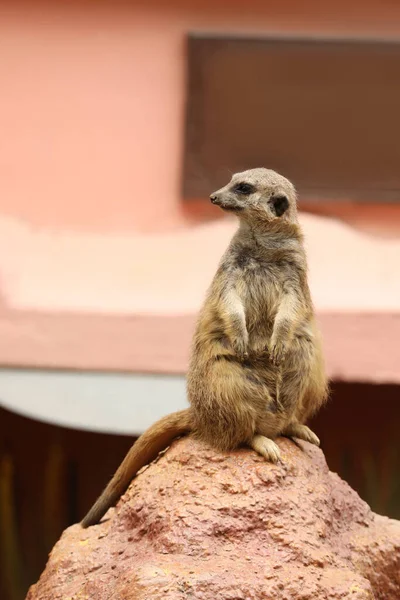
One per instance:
(117, 120)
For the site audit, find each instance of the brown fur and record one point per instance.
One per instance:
(256, 369)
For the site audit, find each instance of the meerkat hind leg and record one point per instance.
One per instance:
(302, 432)
(266, 447)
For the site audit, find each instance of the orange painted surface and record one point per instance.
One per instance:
(91, 224)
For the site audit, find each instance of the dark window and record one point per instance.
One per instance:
(325, 113)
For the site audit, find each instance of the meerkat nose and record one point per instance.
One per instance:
(213, 198)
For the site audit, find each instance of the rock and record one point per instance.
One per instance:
(201, 525)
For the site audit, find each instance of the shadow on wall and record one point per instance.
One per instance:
(49, 476)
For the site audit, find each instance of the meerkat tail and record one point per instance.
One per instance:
(147, 447)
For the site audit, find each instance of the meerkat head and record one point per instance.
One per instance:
(258, 194)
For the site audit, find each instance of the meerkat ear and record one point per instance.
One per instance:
(279, 204)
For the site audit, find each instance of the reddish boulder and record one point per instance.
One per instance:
(202, 525)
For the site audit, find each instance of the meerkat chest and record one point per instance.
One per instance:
(261, 286)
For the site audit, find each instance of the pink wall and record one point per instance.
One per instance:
(83, 130)
(91, 122)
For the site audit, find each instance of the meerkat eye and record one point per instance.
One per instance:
(244, 188)
(279, 204)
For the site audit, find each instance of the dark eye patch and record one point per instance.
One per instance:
(280, 204)
(244, 188)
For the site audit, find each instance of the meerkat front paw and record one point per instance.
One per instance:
(240, 348)
(277, 352)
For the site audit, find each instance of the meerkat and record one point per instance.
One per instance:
(256, 369)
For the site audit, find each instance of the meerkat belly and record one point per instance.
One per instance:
(261, 292)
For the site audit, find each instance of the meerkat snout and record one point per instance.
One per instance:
(226, 200)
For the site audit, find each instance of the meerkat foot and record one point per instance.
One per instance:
(266, 447)
(302, 432)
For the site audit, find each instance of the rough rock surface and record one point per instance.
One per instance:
(201, 525)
